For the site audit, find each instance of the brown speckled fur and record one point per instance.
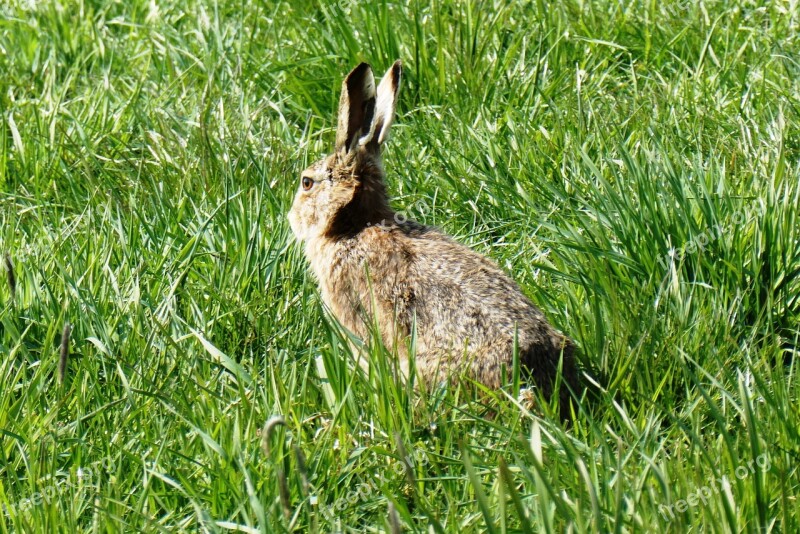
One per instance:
(400, 275)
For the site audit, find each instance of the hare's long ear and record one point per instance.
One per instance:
(384, 107)
(356, 107)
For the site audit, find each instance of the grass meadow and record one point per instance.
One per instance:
(634, 165)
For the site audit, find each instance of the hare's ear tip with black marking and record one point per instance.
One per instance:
(358, 71)
(385, 107)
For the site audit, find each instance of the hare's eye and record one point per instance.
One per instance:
(308, 183)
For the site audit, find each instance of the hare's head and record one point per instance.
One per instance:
(344, 192)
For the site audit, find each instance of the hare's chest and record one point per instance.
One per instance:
(363, 282)
(342, 283)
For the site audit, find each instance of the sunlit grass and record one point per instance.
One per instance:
(636, 167)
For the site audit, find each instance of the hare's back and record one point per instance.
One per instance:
(459, 293)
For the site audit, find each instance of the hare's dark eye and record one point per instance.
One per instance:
(307, 182)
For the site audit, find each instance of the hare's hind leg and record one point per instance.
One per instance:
(436, 366)
(552, 369)
(449, 365)
(492, 366)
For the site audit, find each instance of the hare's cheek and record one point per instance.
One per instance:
(294, 224)
(303, 217)
(296, 218)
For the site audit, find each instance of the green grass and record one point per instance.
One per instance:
(148, 157)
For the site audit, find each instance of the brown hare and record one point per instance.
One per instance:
(405, 277)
